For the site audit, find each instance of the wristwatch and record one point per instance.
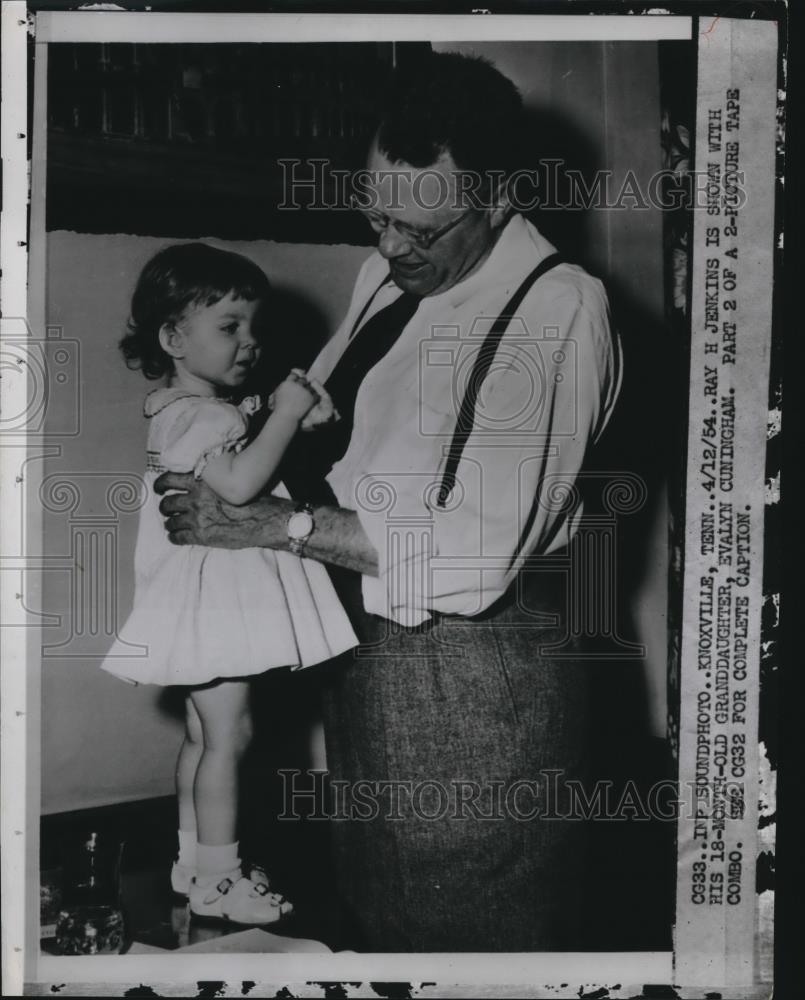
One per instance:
(300, 527)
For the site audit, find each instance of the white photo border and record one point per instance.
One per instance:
(23, 254)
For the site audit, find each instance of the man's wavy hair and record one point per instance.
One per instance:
(448, 102)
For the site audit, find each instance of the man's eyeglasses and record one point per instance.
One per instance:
(421, 238)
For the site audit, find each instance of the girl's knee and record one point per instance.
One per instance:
(194, 731)
(233, 738)
(225, 719)
(244, 735)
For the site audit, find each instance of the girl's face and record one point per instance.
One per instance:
(217, 343)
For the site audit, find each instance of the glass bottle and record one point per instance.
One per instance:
(91, 920)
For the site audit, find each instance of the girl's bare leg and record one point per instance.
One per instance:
(187, 765)
(223, 709)
(219, 890)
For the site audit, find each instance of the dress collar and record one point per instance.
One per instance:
(158, 399)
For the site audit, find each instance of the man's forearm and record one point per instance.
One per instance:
(197, 516)
(338, 537)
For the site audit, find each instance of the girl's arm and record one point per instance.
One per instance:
(238, 478)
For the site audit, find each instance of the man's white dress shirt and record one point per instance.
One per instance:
(548, 395)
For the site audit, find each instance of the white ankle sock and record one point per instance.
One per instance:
(213, 860)
(187, 848)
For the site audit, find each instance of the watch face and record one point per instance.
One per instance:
(300, 525)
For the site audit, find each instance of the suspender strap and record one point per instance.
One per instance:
(366, 305)
(480, 369)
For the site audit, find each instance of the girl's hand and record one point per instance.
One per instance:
(294, 397)
(323, 412)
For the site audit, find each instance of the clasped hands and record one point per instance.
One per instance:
(321, 412)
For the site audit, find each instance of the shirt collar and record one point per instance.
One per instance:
(518, 250)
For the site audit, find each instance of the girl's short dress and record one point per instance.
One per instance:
(204, 613)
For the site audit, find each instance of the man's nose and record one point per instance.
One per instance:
(392, 244)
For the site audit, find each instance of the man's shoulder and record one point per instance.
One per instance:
(567, 280)
(570, 287)
(571, 280)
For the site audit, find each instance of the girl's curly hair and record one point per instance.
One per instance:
(180, 276)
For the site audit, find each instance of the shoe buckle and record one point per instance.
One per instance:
(224, 885)
(258, 875)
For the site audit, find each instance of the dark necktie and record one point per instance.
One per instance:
(314, 453)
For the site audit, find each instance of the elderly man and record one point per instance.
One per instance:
(472, 372)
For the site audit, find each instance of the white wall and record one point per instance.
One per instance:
(103, 740)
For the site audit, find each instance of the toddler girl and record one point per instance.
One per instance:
(207, 618)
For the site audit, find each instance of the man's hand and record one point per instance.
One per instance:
(294, 397)
(324, 412)
(198, 516)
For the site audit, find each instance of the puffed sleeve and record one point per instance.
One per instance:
(200, 429)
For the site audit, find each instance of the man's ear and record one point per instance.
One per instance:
(501, 207)
(171, 340)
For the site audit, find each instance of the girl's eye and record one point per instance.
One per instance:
(230, 328)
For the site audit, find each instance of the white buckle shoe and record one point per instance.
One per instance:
(182, 876)
(239, 900)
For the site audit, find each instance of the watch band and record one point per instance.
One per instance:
(296, 544)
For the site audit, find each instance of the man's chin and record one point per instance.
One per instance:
(417, 279)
